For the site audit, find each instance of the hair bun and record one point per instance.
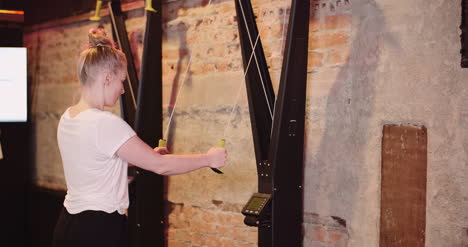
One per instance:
(98, 37)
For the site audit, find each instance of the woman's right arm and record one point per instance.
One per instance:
(138, 153)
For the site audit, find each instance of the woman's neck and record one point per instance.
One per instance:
(89, 99)
(92, 96)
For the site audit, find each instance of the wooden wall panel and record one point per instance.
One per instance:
(403, 194)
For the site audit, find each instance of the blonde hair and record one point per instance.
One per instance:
(100, 55)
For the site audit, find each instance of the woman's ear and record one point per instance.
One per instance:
(107, 78)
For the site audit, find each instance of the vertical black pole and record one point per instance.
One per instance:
(464, 34)
(261, 97)
(146, 214)
(260, 92)
(287, 142)
(128, 100)
(143, 111)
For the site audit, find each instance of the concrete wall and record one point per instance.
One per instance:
(403, 68)
(370, 63)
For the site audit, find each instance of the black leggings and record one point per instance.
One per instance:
(90, 229)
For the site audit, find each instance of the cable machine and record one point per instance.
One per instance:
(277, 126)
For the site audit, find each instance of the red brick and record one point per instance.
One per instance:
(200, 53)
(223, 7)
(252, 236)
(201, 68)
(218, 50)
(228, 243)
(192, 38)
(338, 22)
(198, 239)
(212, 241)
(238, 219)
(230, 219)
(171, 233)
(273, 31)
(262, 2)
(191, 212)
(224, 231)
(175, 67)
(239, 233)
(174, 54)
(208, 216)
(182, 12)
(315, 25)
(223, 219)
(176, 209)
(338, 230)
(222, 66)
(194, 3)
(274, 62)
(181, 235)
(314, 60)
(245, 244)
(327, 40)
(225, 35)
(335, 237)
(175, 243)
(225, 65)
(201, 226)
(178, 222)
(314, 244)
(338, 237)
(316, 233)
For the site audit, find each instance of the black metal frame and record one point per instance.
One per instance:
(146, 213)
(464, 34)
(279, 157)
(260, 101)
(287, 142)
(148, 229)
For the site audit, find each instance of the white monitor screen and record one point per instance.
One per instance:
(13, 84)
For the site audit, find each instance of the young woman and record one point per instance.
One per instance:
(96, 147)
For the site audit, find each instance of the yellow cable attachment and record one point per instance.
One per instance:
(162, 143)
(97, 13)
(149, 6)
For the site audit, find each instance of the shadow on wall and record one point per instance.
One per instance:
(183, 75)
(338, 175)
(186, 78)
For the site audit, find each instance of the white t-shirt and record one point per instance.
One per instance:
(96, 177)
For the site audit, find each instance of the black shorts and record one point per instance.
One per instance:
(90, 229)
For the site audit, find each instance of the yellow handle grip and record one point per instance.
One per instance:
(162, 144)
(97, 13)
(221, 143)
(149, 6)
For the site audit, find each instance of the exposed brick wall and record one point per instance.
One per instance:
(222, 227)
(329, 34)
(216, 51)
(325, 231)
(212, 227)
